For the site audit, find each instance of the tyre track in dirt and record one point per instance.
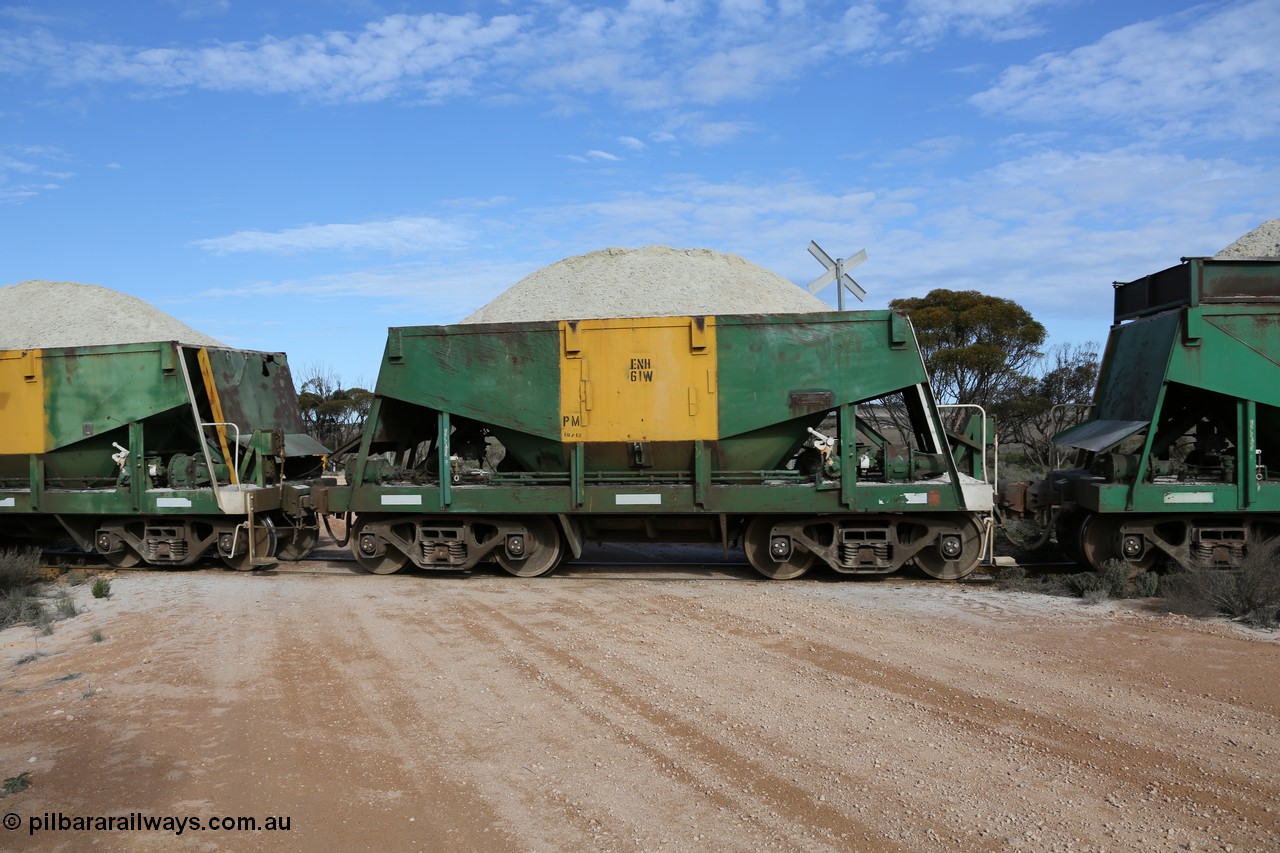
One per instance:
(702, 762)
(1150, 772)
(462, 713)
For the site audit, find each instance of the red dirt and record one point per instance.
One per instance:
(659, 711)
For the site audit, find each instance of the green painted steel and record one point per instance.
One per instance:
(779, 368)
(444, 391)
(126, 443)
(94, 390)
(506, 375)
(1182, 451)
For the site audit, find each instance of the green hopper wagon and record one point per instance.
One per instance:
(805, 437)
(1178, 459)
(156, 453)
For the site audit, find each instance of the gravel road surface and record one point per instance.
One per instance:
(606, 710)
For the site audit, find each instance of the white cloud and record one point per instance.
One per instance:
(430, 292)
(632, 143)
(1207, 72)
(30, 170)
(929, 21)
(1050, 229)
(644, 54)
(429, 57)
(406, 235)
(201, 8)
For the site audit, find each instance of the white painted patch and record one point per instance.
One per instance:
(917, 497)
(637, 500)
(1188, 497)
(6, 502)
(183, 502)
(402, 500)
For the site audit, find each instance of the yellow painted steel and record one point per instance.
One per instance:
(215, 406)
(22, 402)
(638, 379)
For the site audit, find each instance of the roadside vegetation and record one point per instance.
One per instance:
(20, 602)
(26, 598)
(1249, 594)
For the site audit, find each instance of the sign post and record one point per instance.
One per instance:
(837, 271)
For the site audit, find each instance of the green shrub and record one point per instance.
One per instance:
(14, 784)
(102, 588)
(1096, 596)
(1013, 578)
(1145, 585)
(1115, 577)
(20, 607)
(18, 568)
(66, 607)
(1250, 593)
(1084, 583)
(1113, 581)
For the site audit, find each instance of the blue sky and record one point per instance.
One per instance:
(300, 175)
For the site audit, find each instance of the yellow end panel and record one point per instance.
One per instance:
(638, 379)
(23, 427)
(215, 407)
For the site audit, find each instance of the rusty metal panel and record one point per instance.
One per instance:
(1240, 282)
(1153, 293)
(255, 390)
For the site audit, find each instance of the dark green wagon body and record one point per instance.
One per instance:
(490, 441)
(1180, 457)
(155, 452)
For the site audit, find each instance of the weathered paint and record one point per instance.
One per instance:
(643, 379)
(22, 402)
(642, 443)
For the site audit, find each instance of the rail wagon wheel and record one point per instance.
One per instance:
(1067, 531)
(757, 541)
(125, 558)
(390, 561)
(543, 548)
(950, 567)
(1100, 541)
(264, 546)
(296, 543)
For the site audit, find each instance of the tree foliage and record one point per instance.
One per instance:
(987, 350)
(978, 348)
(332, 414)
(1056, 399)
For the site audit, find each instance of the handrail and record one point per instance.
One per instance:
(996, 462)
(235, 470)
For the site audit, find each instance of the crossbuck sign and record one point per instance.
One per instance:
(837, 271)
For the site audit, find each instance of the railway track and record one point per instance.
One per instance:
(594, 566)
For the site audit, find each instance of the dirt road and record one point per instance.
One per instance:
(637, 712)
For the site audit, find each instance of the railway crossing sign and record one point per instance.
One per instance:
(837, 271)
